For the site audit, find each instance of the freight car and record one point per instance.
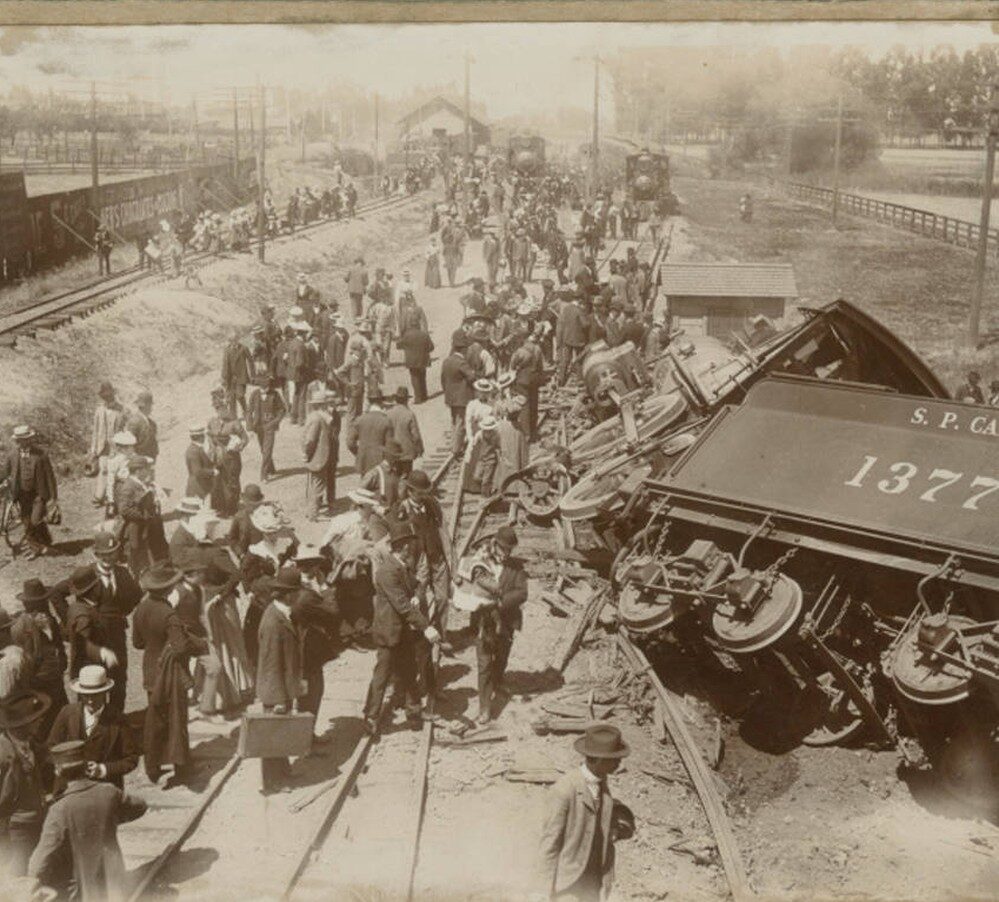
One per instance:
(526, 155)
(832, 547)
(647, 184)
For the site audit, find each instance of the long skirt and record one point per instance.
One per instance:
(226, 637)
(432, 278)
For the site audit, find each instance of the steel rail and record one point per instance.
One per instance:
(61, 304)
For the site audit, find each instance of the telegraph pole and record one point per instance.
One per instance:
(595, 155)
(194, 123)
(468, 112)
(235, 136)
(261, 216)
(303, 137)
(94, 180)
(992, 132)
(839, 140)
(375, 187)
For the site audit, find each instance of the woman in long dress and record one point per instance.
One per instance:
(433, 274)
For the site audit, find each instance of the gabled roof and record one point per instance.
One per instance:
(432, 106)
(729, 280)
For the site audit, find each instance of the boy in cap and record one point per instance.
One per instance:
(500, 619)
(78, 850)
(582, 821)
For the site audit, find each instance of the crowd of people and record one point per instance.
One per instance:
(226, 604)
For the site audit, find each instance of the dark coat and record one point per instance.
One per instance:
(86, 633)
(156, 626)
(395, 614)
(109, 743)
(367, 437)
(457, 378)
(200, 471)
(145, 431)
(318, 620)
(235, 365)
(45, 481)
(572, 327)
(265, 412)
(406, 431)
(79, 840)
(416, 346)
(279, 660)
(242, 532)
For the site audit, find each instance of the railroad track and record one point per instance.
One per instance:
(58, 309)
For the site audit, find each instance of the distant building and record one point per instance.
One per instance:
(721, 298)
(441, 122)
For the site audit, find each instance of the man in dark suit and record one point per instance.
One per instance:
(78, 850)
(500, 619)
(158, 631)
(200, 469)
(236, 373)
(405, 430)
(368, 435)
(107, 746)
(570, 335)
(139, 508)
(280, 681)
(116, 593)
(140, 423)
(32, 486)
(267, 409)
(242, 532)
(457, 379)
(397, 618)
(321, 450)
(416, 346)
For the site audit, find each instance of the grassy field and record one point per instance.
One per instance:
(919, 288)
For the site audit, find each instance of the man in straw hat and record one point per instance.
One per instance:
(107, 746)
(167, 647)
(31, 478)
(577, 840)
(397, 619)
(78, 852)
(321, 450)
(20, 776)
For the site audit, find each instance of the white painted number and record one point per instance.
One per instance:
(903, 473)
(990, 486)
(946, 477)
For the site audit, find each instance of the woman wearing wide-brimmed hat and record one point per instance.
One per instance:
(22, 793)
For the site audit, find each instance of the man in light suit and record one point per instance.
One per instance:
(582, 820)
(321, 449)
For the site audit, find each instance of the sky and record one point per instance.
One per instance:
(515, 69)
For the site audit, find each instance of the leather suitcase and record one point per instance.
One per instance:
(275, 735)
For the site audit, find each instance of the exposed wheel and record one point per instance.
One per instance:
(598, 491)
(12, 526)
(654, 415)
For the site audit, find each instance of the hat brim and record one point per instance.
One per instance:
(151, 586)
(75, 687)
(46, 703)
(580, 746)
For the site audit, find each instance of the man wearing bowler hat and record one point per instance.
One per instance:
(582, 820)
(107, 745)
(397, 620)
(405, 430)
(78, 854)
(498, 621)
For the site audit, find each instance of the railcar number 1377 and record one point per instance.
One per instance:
(903, 476)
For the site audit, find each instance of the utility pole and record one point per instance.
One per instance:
(303, 137)
(468, 111)
(376, 143)
(94, 180)
(287, 115)
(839, 141)
(194, 128)
(992, 133)
(261, 216)
(595, 154)
(235, 136)
(253, 138)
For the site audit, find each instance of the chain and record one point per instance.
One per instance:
(664, 529)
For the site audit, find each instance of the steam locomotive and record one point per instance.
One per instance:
(526, 155)
(647, 183)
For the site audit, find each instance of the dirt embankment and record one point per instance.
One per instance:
(162, 335)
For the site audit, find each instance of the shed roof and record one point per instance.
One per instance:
(730, 280)
(432, 106)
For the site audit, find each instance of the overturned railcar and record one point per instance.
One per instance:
(836, 545)
(701, 374)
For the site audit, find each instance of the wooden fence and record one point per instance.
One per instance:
(910, 219)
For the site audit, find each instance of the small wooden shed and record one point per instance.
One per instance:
(721, 298)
